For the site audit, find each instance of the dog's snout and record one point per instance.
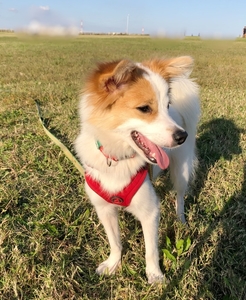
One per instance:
(180, 136)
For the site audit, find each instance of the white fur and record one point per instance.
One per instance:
(183, 114)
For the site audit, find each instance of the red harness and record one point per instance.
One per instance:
(123, 197)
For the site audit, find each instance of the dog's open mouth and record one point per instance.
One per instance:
(154, 153)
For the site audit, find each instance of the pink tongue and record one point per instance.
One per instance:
(160, 155)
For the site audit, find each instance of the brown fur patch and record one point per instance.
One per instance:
(139, 93)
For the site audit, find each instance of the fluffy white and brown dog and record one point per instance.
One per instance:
(132, 115)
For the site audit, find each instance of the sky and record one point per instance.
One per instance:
(207, 18)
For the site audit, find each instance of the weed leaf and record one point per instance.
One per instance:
(187, 243)
(169, 255)
(168, 243)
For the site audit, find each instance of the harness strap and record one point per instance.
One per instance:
(123, 197)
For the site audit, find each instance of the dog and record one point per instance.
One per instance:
(134, 115)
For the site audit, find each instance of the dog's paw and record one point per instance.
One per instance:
(157, 277)
(108, 267)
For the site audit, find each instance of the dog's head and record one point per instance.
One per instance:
(133, 100)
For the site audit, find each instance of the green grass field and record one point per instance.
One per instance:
(50, 239)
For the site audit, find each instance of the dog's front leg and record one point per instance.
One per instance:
(108, 215)
(145, 207)
(150, 230)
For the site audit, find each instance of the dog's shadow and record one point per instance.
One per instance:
(218, 139)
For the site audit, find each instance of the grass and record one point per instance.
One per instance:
(50, 239)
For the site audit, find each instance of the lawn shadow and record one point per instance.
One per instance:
(219, 138)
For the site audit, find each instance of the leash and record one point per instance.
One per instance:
(64, 149)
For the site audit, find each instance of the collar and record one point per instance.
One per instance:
(109, 158)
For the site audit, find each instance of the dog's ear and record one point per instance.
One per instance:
(173, 67)
(114, 76)
(180, 66)
(122, 74)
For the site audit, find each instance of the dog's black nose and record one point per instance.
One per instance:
(180, 136)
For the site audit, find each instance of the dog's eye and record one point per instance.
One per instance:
(145, 109)
(168, 105)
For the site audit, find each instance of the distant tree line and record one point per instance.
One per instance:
(6, 30)
(112, 33)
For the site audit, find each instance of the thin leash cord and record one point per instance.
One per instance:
(64, 149)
